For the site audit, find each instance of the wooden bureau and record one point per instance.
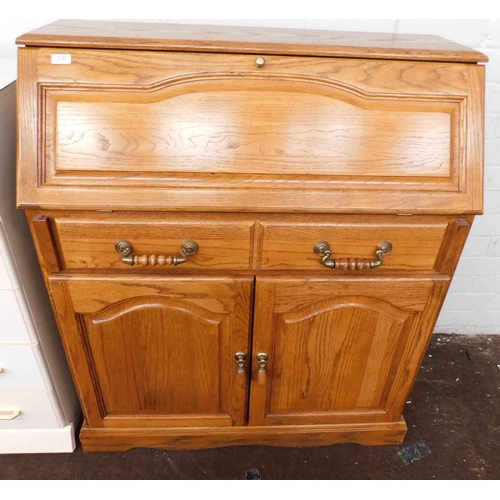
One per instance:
(247, 234)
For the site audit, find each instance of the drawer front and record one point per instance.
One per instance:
(185, 130)
(89, 242)
(353, 241)
(34, 410)
(19, 369)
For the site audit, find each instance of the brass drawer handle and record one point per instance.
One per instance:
(124, 248)
(323, 249)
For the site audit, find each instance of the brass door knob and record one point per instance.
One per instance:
(241, 358)
(260, 62)
(262, 359)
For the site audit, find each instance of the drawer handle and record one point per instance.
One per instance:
(9, 415)
(124, 248)
(323, 249)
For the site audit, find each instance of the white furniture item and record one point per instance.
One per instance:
(38, 405)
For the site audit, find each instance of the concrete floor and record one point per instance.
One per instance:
(454, 431)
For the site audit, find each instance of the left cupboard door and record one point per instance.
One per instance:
(157, 352)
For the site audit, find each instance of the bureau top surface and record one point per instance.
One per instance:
(247, 40)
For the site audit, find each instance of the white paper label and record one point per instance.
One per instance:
(61, 58)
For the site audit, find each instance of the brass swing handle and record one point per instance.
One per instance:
(323, 250)
(124, 248)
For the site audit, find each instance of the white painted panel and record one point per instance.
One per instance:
(5, 283)
(36, 411)
(20, 371)
(38, 440)
(12, 327)
(9, 279)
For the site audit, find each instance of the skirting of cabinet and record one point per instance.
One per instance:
(373, 434)
(38, 440)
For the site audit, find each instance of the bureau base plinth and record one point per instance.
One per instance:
(371, 434)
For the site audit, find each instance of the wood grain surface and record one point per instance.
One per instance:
(107, 440)
(288, 245)
(157, 353)
(89, 242)
(253, 245)
(200, 38)
(215, 132)
(335, 347)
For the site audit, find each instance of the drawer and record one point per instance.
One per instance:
(215, 132)
(34, 407)
(88, 242)
(19, 368)
(416, 242)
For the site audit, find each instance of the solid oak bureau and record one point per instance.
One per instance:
(247, 234)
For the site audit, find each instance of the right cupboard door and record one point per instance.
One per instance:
(338, 350)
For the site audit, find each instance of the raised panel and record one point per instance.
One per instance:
(248, 126)
(159, 357)
(335, 355)
(156, 352)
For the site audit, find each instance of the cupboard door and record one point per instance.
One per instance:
(339, 350)
(156, 352)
